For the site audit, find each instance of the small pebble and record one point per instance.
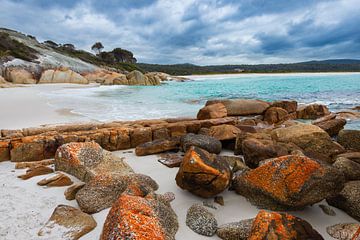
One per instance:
(219, 200)
(327, 210)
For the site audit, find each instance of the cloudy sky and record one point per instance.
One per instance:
(196, 31)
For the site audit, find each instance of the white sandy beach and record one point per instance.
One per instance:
(25, 206)
(25, 107)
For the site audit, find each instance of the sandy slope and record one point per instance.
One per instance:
(25, 207)
(25, 107)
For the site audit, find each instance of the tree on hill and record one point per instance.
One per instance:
(122, 55)
(97, 47)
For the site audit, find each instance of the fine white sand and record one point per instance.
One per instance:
(25, 206)
(25, 107)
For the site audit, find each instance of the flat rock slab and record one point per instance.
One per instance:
(67, 222)
(36, 171)
(157, 146)
(171, 160)
(59, 180)
(21, 165)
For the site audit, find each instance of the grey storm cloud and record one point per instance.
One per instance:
(201, 32)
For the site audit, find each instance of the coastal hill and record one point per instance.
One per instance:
(16, 45)
(24, 60)
(331, 65)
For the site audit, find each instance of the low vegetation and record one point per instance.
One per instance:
(118, 58)
(341, 65)
(11, 47)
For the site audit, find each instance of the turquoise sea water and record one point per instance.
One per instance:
(183, 99)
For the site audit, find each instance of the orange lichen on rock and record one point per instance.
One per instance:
(266, 222)
(196, 163)
(356, 235)
(273, 225)
(131, 217)
(73, 149)
(202, 173)
(285, 175)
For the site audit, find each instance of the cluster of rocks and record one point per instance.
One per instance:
(35, 144)
(136, 210)
(284, 165)
(19, 75)
(266, 225)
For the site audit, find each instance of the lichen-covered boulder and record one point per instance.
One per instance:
(210, 144)
(137, 78)
(242, 107)
(139, 136)
(312, 111)
(85, 160)
(235, 231)
(256, 150)
(107, 78)
(344, 231)
(350, 139)
(202, 174)
(289, 182)
(67, 222)
(351, 169)
(332, 126)
(314, 141)
(273, 225)
(157, 77)
(5, 84)
(348, 199)
(135, 217)
(217, 110)
(101, 191)
(19, 76)
(275, 114)
(201, 220)
(62, 75)
(289, 106)
(224, 132)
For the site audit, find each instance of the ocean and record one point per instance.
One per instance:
(340, 92)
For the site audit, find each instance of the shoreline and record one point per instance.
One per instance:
(269, 74)
(30, 106)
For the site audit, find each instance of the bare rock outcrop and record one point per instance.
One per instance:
(19, 76)
(62, 75)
